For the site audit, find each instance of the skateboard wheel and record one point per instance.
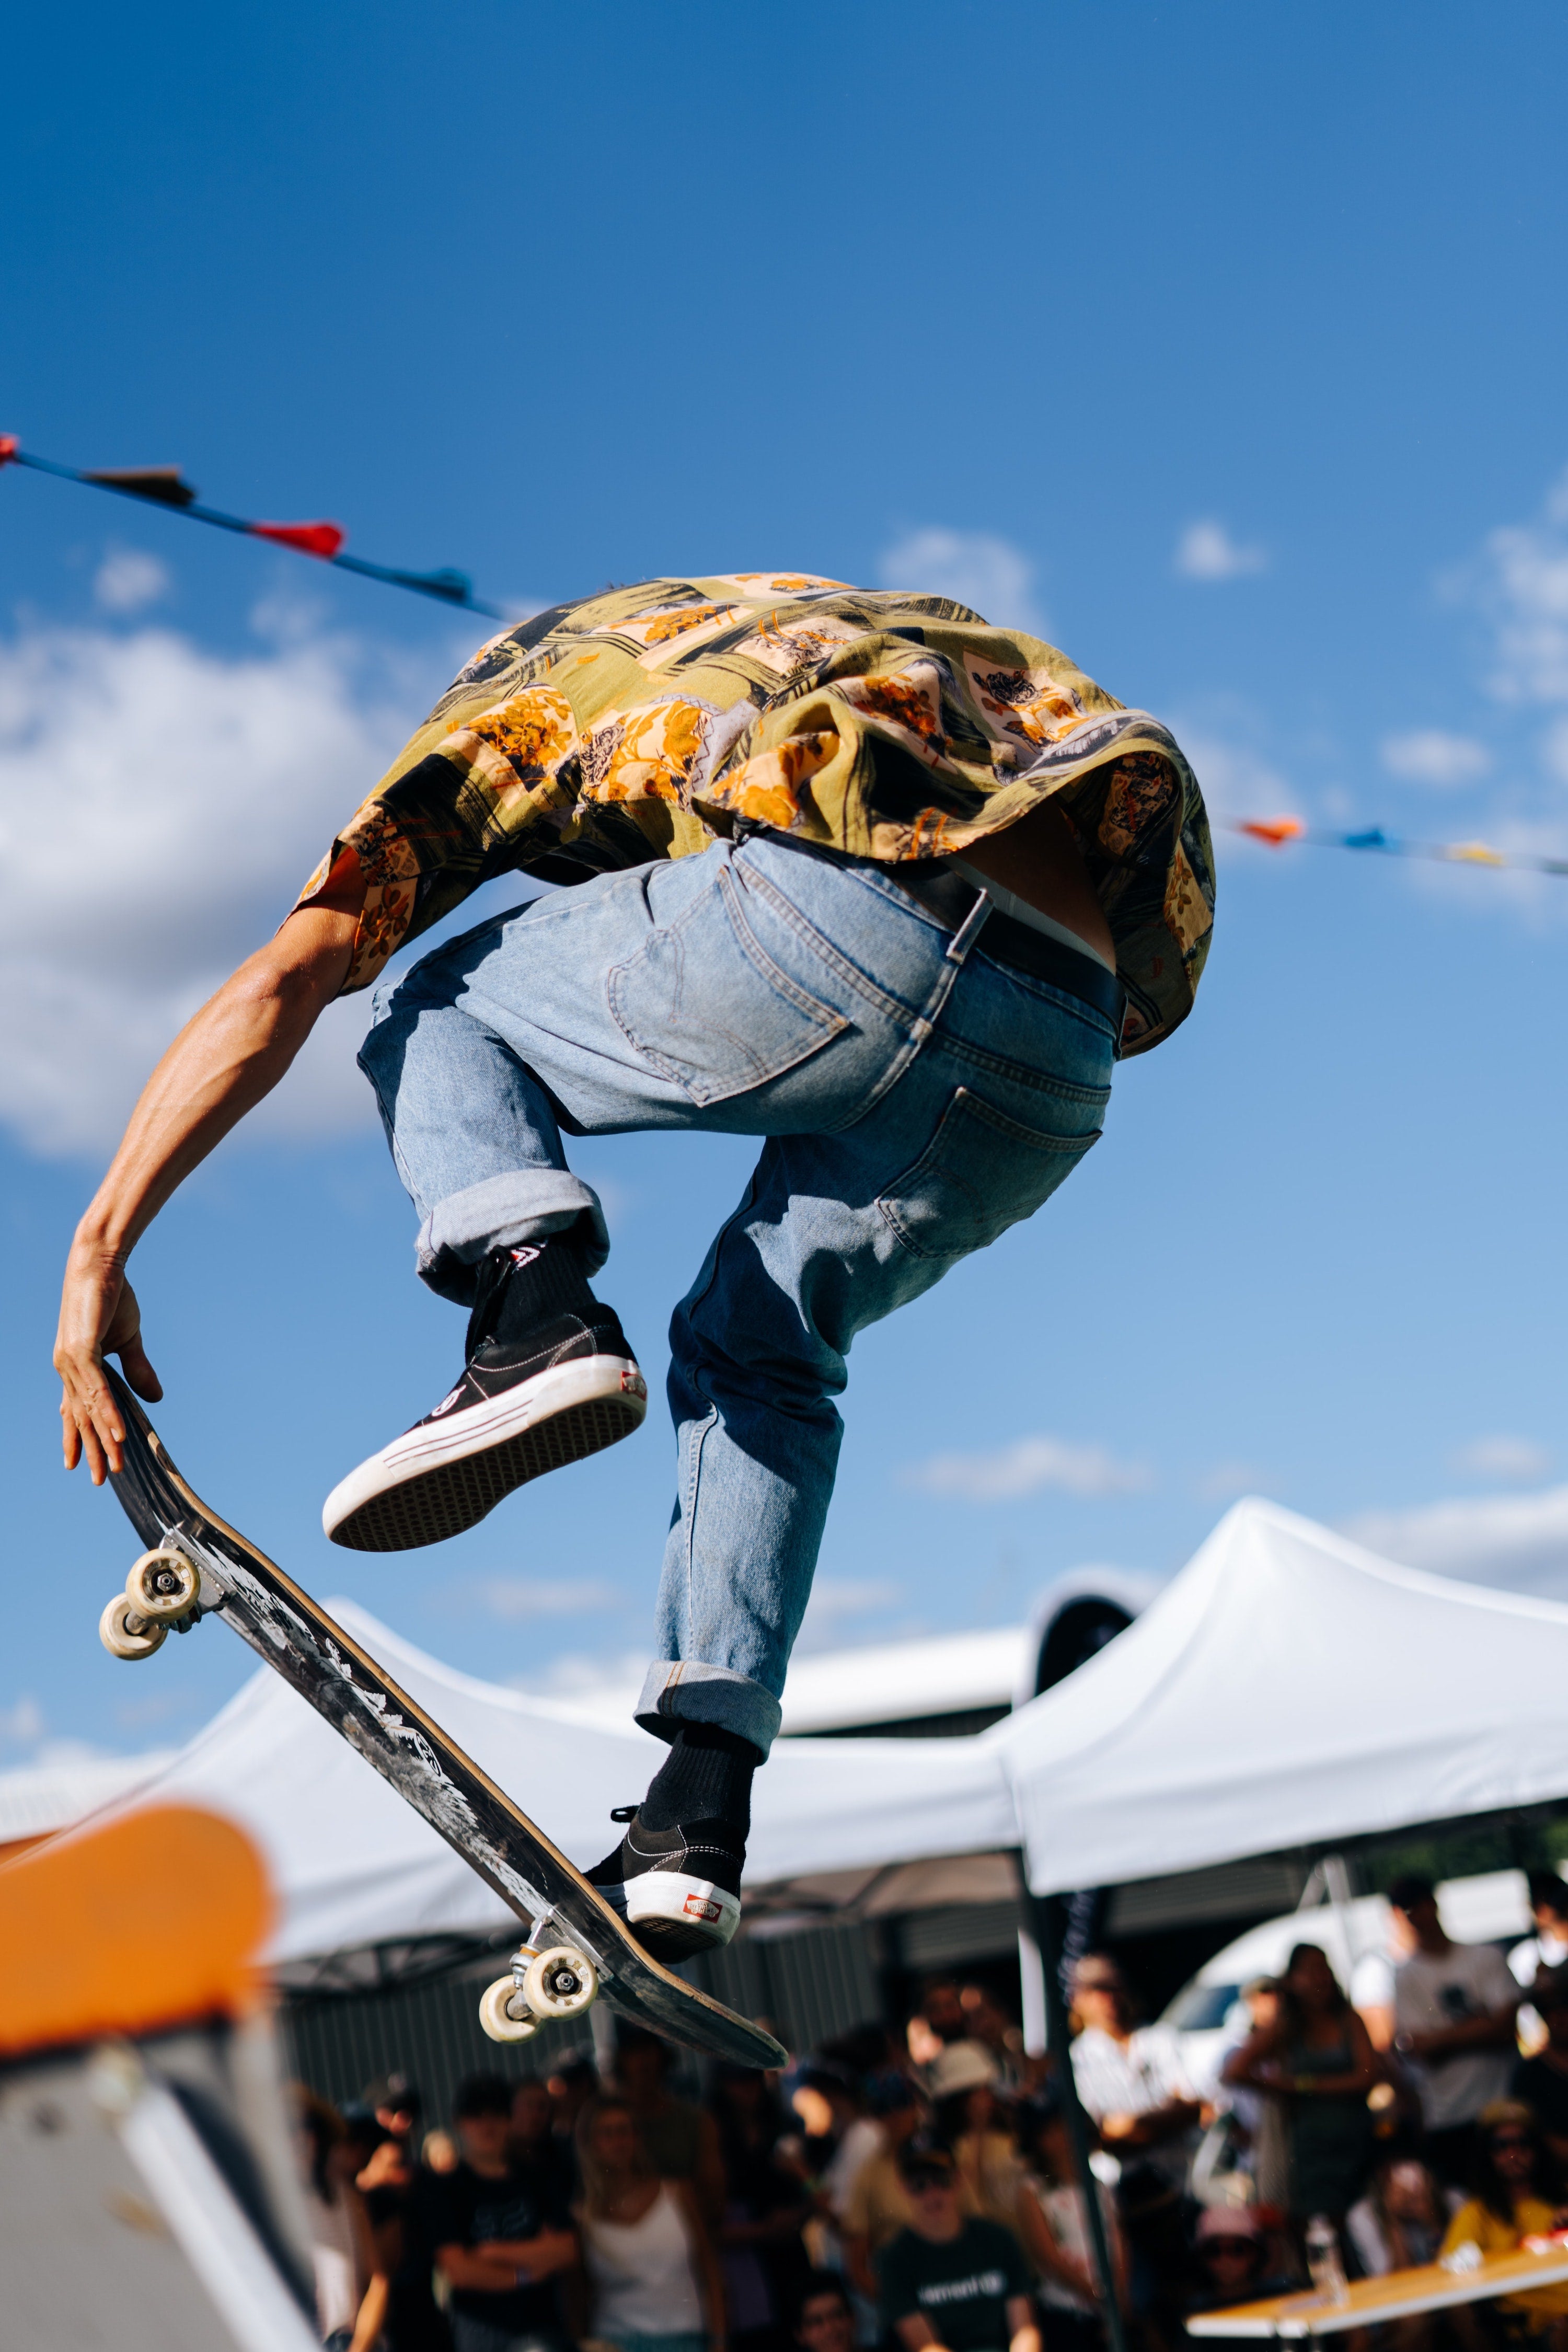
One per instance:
(497, 2003)
(560, 1983)
(126, 1634)
(162, 1585)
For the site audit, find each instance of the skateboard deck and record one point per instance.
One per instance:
(568, 1920)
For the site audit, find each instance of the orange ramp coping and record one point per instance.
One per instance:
(139, 1924)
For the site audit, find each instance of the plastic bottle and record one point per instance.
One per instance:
(1324, 2261)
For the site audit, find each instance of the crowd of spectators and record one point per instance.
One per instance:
(894, 2193)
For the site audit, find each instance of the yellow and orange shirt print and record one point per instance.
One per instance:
(644, 722)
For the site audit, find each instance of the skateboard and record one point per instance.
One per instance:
(576, 1947)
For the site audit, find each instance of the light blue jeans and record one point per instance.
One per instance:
(917, 1096)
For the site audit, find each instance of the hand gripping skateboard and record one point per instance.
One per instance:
(576, 1946)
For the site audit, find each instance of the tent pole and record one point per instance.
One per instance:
(1045, 1926)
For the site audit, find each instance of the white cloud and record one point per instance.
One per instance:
(159, 807)
(519, 1597)
(1428, 756)
(1524, 587)
(1207, 551)
(1501, 1457)
(836, 1601)
(1519, 1542)
(1025, 1467)
(581, 1673)
(1226, 1480)
(24, 1722)
(991, 575)
(129, 580)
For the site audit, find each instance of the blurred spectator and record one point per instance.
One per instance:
(571, 2086)
(1454, 2013)
(1052, 2223)
(1317, 2062)
(652, 2277)
(949, 2281)
(396, 2107)
(535, 2146)
(940, 2009)
(1399, 2224)
(968, 2121)
(1542, 2082)
(1233, 2254)
(439, 2152)
(850, 2136)
(681, 2142)
(986, 2021)
(1514, 2195)
(1266, 2156)
(764, 2211)
(877, 2206)
(343, 2253)
(410, 2319)
(1133, 2080)
(500, 2248)
(1548, 1947)
(824, 2320)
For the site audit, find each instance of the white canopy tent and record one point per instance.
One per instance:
(1287, 1689)
(352, 1865)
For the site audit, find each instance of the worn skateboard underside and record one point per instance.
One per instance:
(343, 1682)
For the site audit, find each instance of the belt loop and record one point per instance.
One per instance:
(963, 938)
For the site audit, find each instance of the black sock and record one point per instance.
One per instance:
(521, 1288)
(707, 1775)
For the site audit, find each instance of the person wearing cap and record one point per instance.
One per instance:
(949, 2280)
(1051, 2219)
(969, 2119)
(1233, 2254)
(1453, 2011)
(1515, 2195)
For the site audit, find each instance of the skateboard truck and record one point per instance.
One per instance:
(548, 1983)
(162, 1595)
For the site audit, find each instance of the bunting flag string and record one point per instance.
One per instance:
(166, 487)
(1276, 832)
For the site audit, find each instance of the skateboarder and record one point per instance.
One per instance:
(857, 874)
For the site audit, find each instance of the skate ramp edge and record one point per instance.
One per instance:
(150, 1920)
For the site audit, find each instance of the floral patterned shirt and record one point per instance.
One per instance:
(643, 722)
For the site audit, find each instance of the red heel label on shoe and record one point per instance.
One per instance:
(633, 1384)
(699, 1906)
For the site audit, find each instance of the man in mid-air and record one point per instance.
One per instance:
(857, 874)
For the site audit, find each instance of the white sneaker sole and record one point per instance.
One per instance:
(674, 1914)
(445, 1475)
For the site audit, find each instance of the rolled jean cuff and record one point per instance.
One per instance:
(683, 1690)
(500, 1213)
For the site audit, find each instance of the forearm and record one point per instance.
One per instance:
(540, 2257)
(372, 2314)
(227, 1057)
(464, 2268)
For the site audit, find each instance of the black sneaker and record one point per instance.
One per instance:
(536, 1393)
(679, 1888)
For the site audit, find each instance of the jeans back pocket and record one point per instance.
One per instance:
(704, 1001)
(981, 1173)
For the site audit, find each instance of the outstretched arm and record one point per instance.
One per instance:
(224, 1061)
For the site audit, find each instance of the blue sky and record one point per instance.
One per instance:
(1223, 344)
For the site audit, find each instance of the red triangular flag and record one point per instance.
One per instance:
(322, 539)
